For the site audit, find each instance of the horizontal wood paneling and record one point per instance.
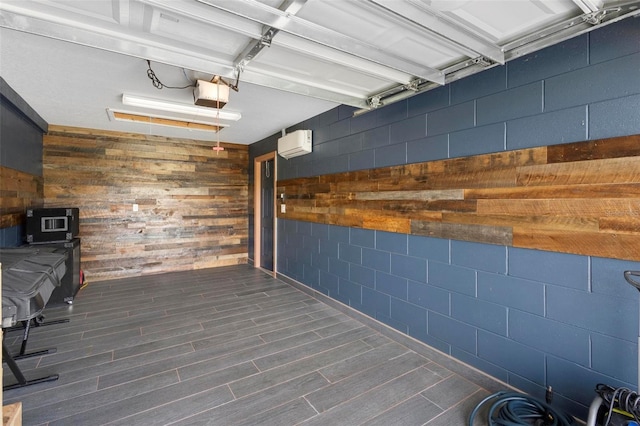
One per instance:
(19, 191)
(192, 201)
(581, 198)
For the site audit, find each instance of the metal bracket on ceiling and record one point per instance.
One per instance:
(594, 18)
(482, 61)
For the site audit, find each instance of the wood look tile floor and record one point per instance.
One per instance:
(232, 346)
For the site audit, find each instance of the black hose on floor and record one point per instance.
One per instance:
(515, 409)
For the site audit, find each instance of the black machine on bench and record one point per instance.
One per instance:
(29, 277)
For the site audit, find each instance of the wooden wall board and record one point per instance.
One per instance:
(192, 202)
(19, 191)
(581, 198)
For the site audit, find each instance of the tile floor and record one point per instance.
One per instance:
(233, 346)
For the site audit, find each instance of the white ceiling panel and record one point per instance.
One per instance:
(303, 56)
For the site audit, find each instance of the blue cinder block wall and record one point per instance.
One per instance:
(530, 318)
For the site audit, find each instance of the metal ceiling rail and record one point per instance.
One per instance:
(272, 17)
(612, 12)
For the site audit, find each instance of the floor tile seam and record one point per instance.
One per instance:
(320, 338)
(314, 355)
(144, 411)
(454, 407)
(419, 395)
(44, 392)
(377, 387)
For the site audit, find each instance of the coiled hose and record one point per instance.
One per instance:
(514, 409)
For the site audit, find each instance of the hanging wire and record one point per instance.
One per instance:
(158, 84)
(267, 172)
(218, 148)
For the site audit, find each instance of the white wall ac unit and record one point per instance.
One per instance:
(295, 144)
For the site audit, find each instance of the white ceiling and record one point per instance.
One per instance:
(72, 60)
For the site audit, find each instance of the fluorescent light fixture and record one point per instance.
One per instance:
(192, 110)
(162, 120)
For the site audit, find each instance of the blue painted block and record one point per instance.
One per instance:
(565, 341)
(480, 364)
(479, 140)
(339, 233)
(344, 112)
(452, 331)
(478, 313)
(514, 103)
(361, 275)
(376, 301)
(614, 41)
(329, 282)
(393, 323)
(329, 166)
(339, 129)
(563, 269)
(311, 244)
(366, 121)
(615, 317)
(362, 160)
(349, 253)
(477, 85)
(311, 276)
(615, 357)
(375, 138)
(376, 259)
(607, 277)
(604, 81)
(452, 278)
(393, 112)
(413, 268)
(329, 248)
(563, 126)
(11, 237)
(408, 130)
(326, 150)
(429, 248)
(554, 60)
(428, 149)
(350, 291)
(339, 268)
(304, 257)
(576, 382)
(320, 230)
(331, 116)
(320, 261)
(391, 241)
(451, 119)
(391, 285)
(414, 317)
(362, 237)
(303, 228)
(429, 101)
(349, 144)
(617, 117)
(517, 293)
(428, 296)
(483, 257)
(391, 155)
(512, 356)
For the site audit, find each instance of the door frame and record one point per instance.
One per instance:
(257, 203)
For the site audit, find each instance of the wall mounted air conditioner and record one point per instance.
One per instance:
(295, 144)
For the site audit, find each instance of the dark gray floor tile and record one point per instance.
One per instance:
(414, 411)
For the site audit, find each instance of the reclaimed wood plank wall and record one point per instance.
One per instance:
(192, 202)
(581, 198)
(19, 191)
